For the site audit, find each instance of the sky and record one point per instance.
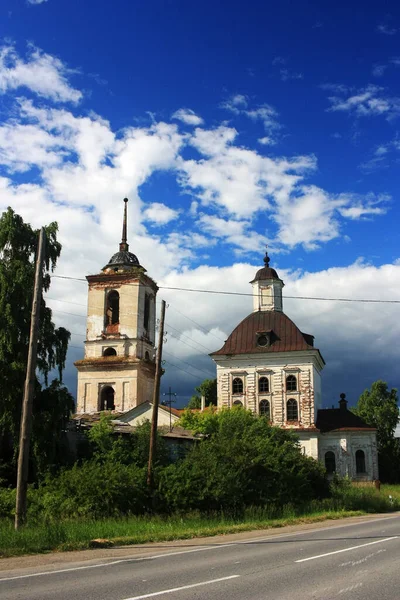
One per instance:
(228, 125)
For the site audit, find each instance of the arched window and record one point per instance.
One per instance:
(291, 383)
(292, 413)
(263, 385)
(330, 462)
(107, 398)
(146, 356)
(110, 352)
(360, 461)
(112, 310)
(146, 314)
(237, 403)
(237, 385)
(264, 409)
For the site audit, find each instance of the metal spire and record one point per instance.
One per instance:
(266, 257)
(124, 246)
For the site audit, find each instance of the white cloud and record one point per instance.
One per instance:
(386, 29)
(266, 141)
(36, 1)
(379, 70)
(369, 101)
(287, 75)
(187, 116)
(235, 103)
(43, 74)
(159, 213)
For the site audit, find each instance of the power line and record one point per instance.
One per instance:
(188, 364)
(226, 293)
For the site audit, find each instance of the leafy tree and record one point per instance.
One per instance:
(242, 461)
(378, 407)
(18, 243)
(208, 389)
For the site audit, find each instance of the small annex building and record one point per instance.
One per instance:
(269, 366)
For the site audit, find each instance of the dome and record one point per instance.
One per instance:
(266, 272)
(123, 258)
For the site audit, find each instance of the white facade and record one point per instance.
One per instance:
(269, 366)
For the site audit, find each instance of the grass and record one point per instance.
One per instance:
(78, 534)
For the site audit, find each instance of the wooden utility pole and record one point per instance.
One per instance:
(156, 398)
(26, 417)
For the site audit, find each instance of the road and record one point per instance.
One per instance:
(358, 560)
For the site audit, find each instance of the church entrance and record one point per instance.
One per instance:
(107, 398)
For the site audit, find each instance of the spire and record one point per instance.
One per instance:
(266, 257)
(124, 246)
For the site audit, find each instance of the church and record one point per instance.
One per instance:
(269, 366)
(266, 365)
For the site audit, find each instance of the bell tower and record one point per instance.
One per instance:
(267, 289)
(118, 368)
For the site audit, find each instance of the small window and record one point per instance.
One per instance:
(146, 356)
(237, 403)
(107, 398)
(291, 383)
(146, 316)
(330, 462)
(263, 385)
(292, 410)
(264, 409)
(237, 386)
(110, 352)
(112, 309)
(360, 462)
(263, 340)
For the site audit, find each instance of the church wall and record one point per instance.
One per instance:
(344, 445)
(275, 369)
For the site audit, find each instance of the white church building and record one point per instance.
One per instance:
(266, 365)
(269, 366)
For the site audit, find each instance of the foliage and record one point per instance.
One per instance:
(243, 461)
(18, 242)
(208, 389)
(378, 407)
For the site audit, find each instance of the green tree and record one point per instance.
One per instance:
(378, 407)
(208, 389)
(18, 243)
(242, 461)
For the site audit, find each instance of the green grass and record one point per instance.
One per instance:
(77, 534)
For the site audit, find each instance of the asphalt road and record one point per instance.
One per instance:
(357, 561)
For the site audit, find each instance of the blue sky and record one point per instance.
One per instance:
(228, 125)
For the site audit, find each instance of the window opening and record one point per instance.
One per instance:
(237, 403)
(263, 385)
(291, 383)
(330, 462)
(107, 398)
(237, 386)
(110, 352)
(264, 409)
(112, 310)
(146, 317)
(292, 410)
(360, 461)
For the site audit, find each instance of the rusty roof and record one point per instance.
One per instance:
(285, 336)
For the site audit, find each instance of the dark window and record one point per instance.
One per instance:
(263, 340)
(292, 411)
(360, 461)
(110, 352)
(237, 386)
(263, 385)
(291, 383)
(237, 403)
(112, 310)
(330, 462)
(146, 356)
(146, 316)
(264, 409)
(107, 398)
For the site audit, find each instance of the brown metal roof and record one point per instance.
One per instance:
(285, 335)
(265, 273)
(332, 419)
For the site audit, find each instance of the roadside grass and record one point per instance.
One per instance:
(55, 535)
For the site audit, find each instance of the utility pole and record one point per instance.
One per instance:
(156, 398)
(169, 403)
(26, 416)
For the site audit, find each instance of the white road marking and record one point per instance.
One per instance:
(184, 587)
(199, 549)
(346, 549)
